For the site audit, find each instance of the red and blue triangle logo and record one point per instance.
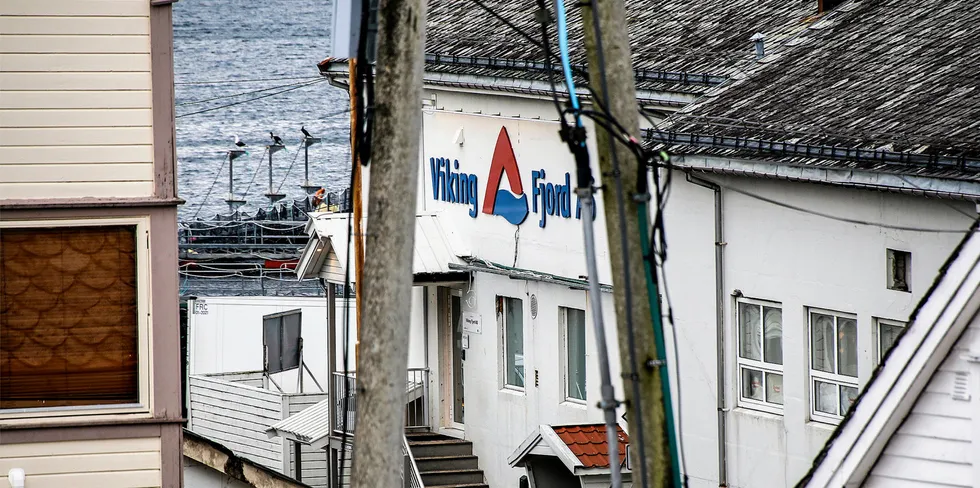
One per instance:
(511, 205)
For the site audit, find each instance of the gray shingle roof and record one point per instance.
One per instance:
(891, 75)
(676, 36)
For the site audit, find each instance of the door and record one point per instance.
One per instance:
(458, 356)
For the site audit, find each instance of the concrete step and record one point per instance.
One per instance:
(440, 447)
(465, 485)
(454, 476)
(425, 436)
(443, 463)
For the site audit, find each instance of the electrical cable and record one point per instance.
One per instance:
(215, 82)
(289, 169)
(826, 215)
(584, 190)
(362, 149)
(196, 102)
(250, 99)
(211, 188)
(255, 173)
(624, 245)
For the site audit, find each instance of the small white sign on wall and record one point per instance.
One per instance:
(472, 323)
(466, 341)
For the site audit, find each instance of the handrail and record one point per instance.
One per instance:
(414, 478)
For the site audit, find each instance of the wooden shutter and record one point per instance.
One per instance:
(68, 317)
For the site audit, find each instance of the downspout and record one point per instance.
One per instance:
(719, 324)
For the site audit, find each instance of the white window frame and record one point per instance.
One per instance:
(837, 379)
(145, 387)
(502, 326)
(876, 332)
(566, 395)
(758, 365)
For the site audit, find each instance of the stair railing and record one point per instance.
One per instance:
(410, 473)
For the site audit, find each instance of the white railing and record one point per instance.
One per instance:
(344, 400)
(411, 478)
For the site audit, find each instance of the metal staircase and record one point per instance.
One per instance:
(445, 462)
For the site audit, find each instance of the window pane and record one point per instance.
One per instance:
(822, 342)
(847, 397)
(887, 335)
(749, 336)
(68, 331)
(575, 354)
(825, 397)
(847, 353)
(773, 335)
(751, 384)
(774, 388)
(514, 334)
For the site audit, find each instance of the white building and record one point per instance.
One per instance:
(916, 423)
(792, 267)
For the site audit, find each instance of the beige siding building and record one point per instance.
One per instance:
(90, 391)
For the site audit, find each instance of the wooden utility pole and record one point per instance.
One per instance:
(611, 74)
(383, 358)
(357, 200)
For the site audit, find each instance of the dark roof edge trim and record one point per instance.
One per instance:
(482, 265)
(667, 137)
(641, 75)
(640, 98)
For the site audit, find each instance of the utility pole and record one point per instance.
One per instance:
(383, 357)
(609, 60)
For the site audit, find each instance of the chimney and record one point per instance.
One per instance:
(760, 44)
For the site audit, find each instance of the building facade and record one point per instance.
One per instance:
(90, 389)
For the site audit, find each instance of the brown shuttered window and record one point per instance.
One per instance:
(68, 317)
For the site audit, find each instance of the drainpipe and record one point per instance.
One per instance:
(719, 324)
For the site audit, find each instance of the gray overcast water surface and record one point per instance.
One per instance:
(227, 40)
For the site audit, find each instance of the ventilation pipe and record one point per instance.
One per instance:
(760, 44)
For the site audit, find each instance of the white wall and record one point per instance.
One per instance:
(936, 445)
(76, 114)
(497, 419)
(228, 337)
(771, 253)
(800, 260)
(85, 464)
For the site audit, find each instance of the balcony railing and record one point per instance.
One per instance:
(344, 400)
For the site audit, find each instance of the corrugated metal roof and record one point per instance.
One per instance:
(435, 249)
(310, 426)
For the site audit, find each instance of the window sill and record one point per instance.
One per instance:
(84, 421)
(753, 411)
(512, 390)
(575, 403)
(824, 423)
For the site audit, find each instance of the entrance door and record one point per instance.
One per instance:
(457, 357)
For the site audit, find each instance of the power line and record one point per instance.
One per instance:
(250, 99)
(245, 93)
(258, 80)
(825, 215)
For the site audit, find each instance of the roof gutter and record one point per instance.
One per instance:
(795, 149)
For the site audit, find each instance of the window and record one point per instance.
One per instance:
(833, 364)
(72, 332)
(510, 316)
(760, 354)
(574, 352)
(898, 265)
(886, 333)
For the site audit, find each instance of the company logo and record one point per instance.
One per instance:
(511, 205)
(548, 199)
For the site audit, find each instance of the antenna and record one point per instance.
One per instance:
(230, 199)
(307, 142)
(272, 195)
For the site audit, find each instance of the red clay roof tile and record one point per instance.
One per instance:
(588, 443)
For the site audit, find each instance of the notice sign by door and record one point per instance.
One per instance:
(472, 323)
